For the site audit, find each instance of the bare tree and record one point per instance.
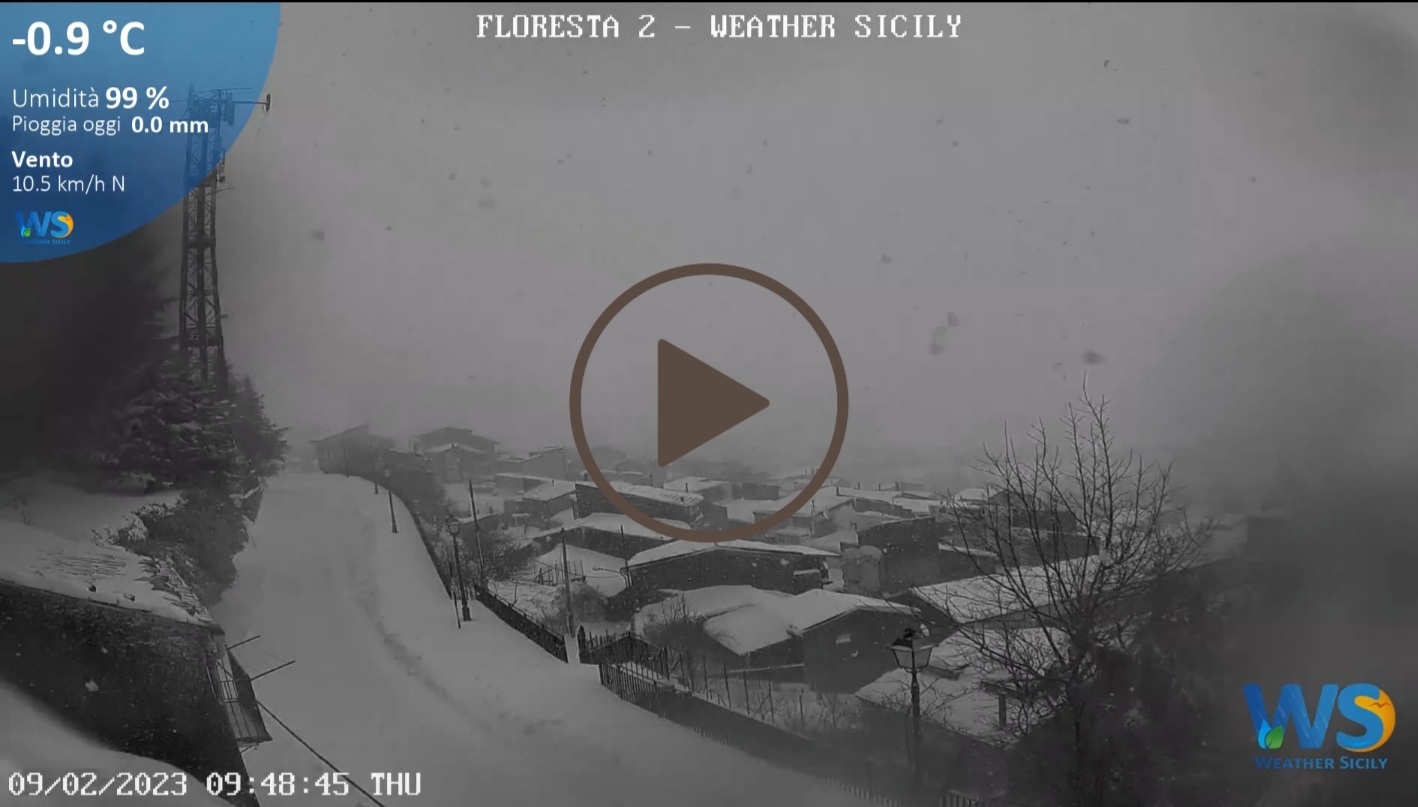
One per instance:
(1083, 533)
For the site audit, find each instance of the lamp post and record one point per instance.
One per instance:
(453, 528)
(393, 522)
(912, 656)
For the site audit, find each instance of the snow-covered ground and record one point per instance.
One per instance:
(384, 680)
(69, 512)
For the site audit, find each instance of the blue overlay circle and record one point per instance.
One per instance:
(103, 118)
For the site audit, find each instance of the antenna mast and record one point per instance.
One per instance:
(199, 329)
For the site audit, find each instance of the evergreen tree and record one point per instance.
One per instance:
(165, 426)
(70, 329)
(261, 442)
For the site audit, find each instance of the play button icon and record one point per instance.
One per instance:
(697, 403)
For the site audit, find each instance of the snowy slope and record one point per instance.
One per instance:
(384, 680)
(37, 746)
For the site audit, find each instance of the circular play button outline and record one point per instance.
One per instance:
(839, 376)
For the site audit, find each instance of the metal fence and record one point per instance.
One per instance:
(868, 779)
(522, 622)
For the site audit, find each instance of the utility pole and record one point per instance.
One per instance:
(453, 530)
(393, 522)
(566, 578)
(477, 537)
(199, 322)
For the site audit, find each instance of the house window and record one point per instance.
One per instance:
(844, 638)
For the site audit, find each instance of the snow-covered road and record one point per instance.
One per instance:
(385, 681)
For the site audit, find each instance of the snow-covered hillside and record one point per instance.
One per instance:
(385, 681)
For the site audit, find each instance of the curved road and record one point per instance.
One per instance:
(385, 681)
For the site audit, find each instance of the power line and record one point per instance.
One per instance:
(333, 767)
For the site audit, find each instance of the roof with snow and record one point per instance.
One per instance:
(601, 572)
(650, 493)
(962, 705)
(682, 549)
(694, 484)
(754, 627)
(969, 652)
(41, 560)
(704, 603)
(613, 522)
(987, 596)
(750, 510)
(549, 491)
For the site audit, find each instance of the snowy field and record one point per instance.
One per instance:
(385, 681)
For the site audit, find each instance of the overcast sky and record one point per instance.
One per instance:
(426, 225)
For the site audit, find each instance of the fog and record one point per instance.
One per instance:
(1184, 202)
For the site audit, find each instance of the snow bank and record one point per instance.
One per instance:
(41, 560)
(74, 514)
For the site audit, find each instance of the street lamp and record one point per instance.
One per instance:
(453, 527)
(913, 656)
(393, 522)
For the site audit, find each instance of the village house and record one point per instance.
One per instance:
(549, 462)
(1015, 598)
(713, 490)
(455, 463)
(910, 552)
(350, 450)
(514, 485)
(824, 514)
(453, 436)
(832, 642)
(655, 502)
(969, 720)
(683, 565)
(457, 455)
(757, 491)
(615, 535)
(544, 502)
(118, 645)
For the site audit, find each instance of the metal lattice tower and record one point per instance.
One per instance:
(199, 330)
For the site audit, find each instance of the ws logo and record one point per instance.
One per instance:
(1364, 705)
(56, 224)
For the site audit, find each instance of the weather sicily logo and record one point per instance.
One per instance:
(1367, 707)
(44, 227)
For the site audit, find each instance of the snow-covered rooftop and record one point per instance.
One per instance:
(602, 572)
(703, 603)
(961, 705)
(766, 623)
(694, 484)
(42, 560)
(613, 522)
(651, 493)
(987, 596)
(550, 491)
(679, 549)
(968, 653)
(971, 496)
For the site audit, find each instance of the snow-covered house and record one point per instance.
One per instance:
(119, 645)
(969, 720)
(1013, 597)
(831, 641)
(684, 565)
(543, 502)
(350, 451)
(652, 501)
